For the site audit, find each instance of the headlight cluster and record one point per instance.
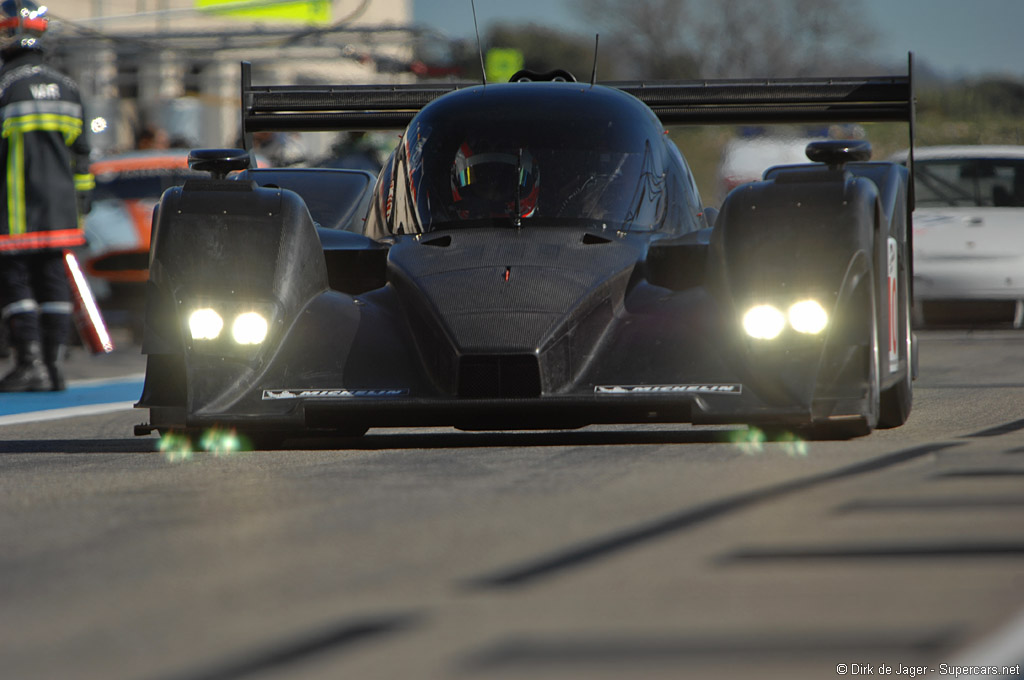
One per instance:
(766, 322)
(247, 327)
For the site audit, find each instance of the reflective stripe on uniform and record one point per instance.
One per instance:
(16, 220)
(61, 238)
(69, 126)
(85, 182)
(33, 115)
(19, 307)
(56, 307)
(29, 107)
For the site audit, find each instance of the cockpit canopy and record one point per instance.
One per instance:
(549, 154)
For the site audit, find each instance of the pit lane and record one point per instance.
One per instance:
(654, 552)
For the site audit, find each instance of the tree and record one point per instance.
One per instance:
(653, 38)
(545, 49)
(734, 38)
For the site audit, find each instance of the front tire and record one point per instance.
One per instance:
(896, 401)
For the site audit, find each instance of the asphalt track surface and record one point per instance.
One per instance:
(633, 552)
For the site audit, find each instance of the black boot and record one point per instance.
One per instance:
(53, 357)
(29, 374)
(54, 327)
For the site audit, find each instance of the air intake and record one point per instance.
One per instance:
(499, 377)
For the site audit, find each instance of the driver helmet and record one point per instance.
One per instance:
(486, 183)
(22, 23)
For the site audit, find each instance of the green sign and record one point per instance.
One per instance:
(501, 63)
(299, 11)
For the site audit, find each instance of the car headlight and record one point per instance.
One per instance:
(808, 316)
(249, 328)
(764, 322)
(210, 320)
(205, 324)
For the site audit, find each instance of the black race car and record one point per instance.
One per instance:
(535, 254)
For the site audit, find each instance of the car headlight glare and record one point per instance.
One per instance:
(205, 324)
(249, 328)
(764, 322)
(808, 316)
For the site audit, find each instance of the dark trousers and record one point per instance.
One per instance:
(35, 298)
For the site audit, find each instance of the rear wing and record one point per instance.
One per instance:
(728, 102)
(703, 102)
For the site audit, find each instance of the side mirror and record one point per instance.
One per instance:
(838, 152)
(218, 162)
(710, 216)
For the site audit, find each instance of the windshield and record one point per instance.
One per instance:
(969, 182)
(468, 172)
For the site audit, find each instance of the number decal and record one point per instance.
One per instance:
(894, 306)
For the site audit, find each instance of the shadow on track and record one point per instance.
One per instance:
(79, 446)
(540, 567)
(440, 439)
(447, 439)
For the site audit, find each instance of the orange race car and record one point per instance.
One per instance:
(128, 186)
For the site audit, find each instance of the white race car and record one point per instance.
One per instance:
(969, 233)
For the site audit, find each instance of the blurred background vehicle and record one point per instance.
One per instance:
(754, 149)
(969, 234)
(747, 156)
(117, 229)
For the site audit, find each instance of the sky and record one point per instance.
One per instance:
(954, 37)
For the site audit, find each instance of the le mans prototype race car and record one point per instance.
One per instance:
(535, 254)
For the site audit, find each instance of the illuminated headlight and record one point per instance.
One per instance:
(249, 328)
(235, 328)
(808, 316)
(763, 322)
(205, 324)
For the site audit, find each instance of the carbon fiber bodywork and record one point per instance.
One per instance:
(538, 323)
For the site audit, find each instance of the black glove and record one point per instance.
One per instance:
(84, 202)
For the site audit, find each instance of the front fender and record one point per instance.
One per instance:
(233, 247)
(805, 235)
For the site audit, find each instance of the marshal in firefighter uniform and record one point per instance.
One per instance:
(45, 169)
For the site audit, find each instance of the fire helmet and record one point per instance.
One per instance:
(22, 23)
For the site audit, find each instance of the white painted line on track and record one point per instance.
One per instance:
(1005, 647)
(89, 382)
(69, 412)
